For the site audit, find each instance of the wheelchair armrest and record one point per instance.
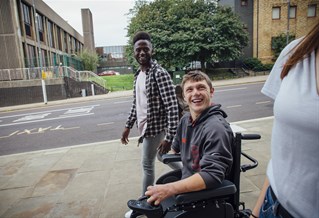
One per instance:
(250, 136)
(224, 189)
(169, 158)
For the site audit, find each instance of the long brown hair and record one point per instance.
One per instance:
(309, 43)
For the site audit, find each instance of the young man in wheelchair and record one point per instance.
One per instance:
(204, 139)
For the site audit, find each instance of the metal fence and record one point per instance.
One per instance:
(49, 73)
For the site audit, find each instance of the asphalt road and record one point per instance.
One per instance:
(102, 120)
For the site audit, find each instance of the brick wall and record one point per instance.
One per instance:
(265, 27)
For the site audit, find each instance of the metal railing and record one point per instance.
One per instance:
(49, 73)
(85, 76)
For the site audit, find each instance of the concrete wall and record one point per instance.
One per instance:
(26, 92)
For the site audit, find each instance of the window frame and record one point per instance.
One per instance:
(290, 8)
(279, 14)
(315, 10)
(245, 3)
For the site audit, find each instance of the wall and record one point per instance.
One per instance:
(265, 27)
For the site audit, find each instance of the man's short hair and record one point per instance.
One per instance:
(196, 76)
(141, 35)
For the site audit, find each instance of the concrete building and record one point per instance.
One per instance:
(244, 9)
(30, 29)
(271, 20)
(113, 58)
(87, 26)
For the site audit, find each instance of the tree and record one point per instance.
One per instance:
(89, 59)
(187, 30)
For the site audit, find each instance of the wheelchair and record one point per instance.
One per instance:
(220, 202)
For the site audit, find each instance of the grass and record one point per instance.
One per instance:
(119, 82)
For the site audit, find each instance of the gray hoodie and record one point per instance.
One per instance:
(205, 145)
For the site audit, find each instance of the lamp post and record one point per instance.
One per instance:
(40, 54)
(288, 17)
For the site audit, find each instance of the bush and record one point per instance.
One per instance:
(253, 64)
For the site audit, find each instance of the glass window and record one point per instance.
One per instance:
(244, 2)
(292, 12)
(275, 13)
(50, 34)
(312, 10)
(26, 19)
(40, 26)
(31, 56)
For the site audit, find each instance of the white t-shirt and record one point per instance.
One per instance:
(141, 102)
(293, 170)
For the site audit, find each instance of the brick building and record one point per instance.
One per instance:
(271, 20)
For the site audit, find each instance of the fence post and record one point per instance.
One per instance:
(92, 87)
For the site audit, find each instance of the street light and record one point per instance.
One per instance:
(288, 17)
(40, 54)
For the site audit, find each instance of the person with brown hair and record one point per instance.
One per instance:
(291, 186)
(203, 138)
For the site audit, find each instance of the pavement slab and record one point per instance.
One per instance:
(97, 179)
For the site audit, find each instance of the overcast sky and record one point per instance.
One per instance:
(110, 18)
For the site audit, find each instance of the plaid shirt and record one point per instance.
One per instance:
(162, 109)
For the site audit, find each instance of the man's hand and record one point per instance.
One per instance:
(158, 193)
(125, 134)
(164, 147)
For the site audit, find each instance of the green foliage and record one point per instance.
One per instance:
(89, 59)
(119, 82)
(278, 43)
(256, 65)
(186, 30)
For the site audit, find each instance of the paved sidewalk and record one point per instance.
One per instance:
(97, 180)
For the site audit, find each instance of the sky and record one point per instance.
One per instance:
(110, 18)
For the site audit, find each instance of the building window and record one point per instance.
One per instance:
(40, 26)
(50, 34)
(292, 12)
(244, 2)
(32, 62)
(59, 35)
(312, 10)
(65, 42)
(276, 13)
(26, 19)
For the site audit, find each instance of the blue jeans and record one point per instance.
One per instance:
(149, 152)
(267, 209)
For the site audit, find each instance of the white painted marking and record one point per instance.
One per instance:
(79, 110)
(263, 102)
(7, 136)
(103, 124)
(55, 118)
(63, 128)
(64, 109)
(121, 102)
(32, 117)
(233, 106)
(227, 90)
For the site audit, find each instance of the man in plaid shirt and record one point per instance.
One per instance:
(154, 109)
